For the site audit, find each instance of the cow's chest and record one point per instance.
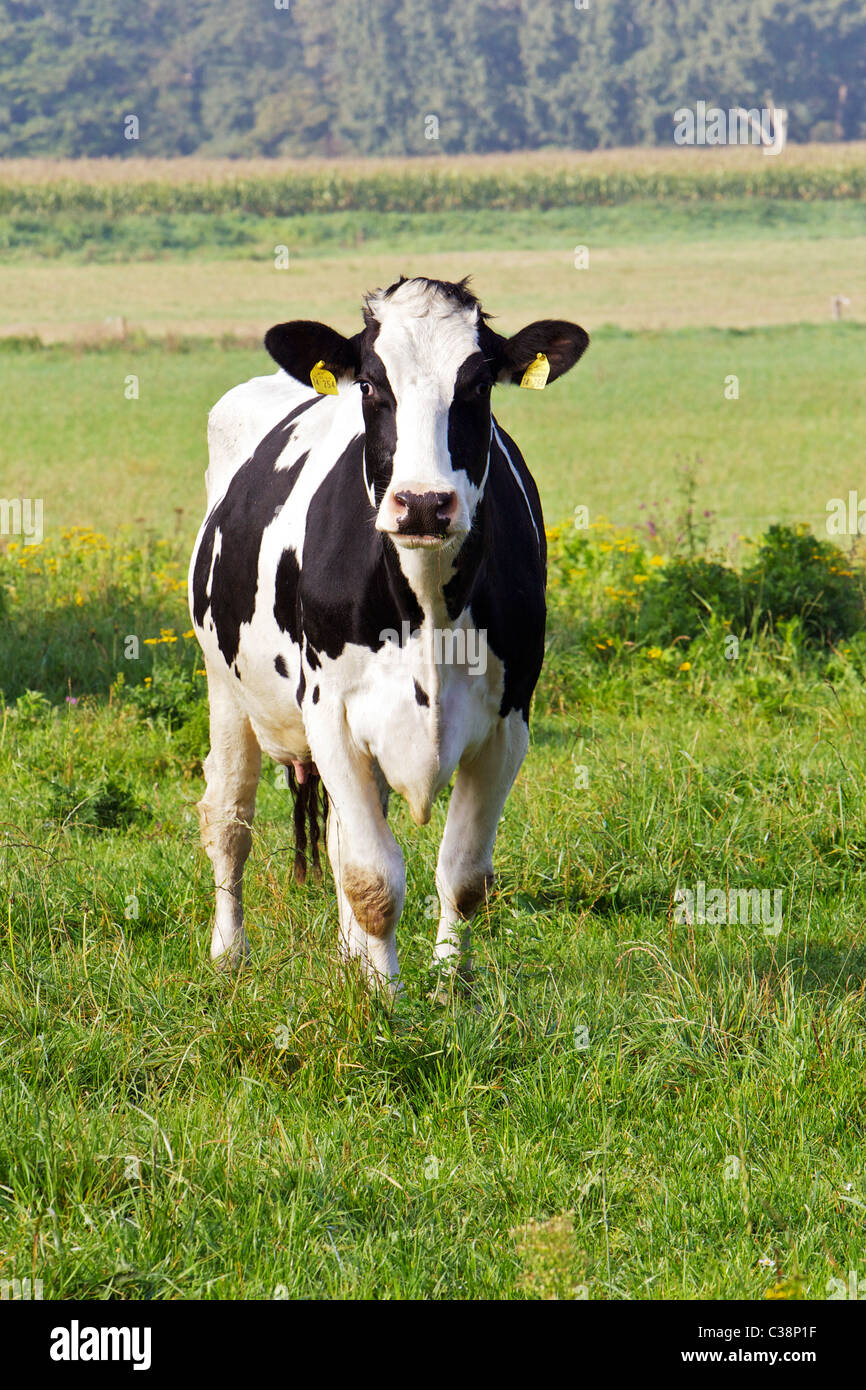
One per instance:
(416, 709)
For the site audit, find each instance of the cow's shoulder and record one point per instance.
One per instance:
(242, 418)
(224, 575)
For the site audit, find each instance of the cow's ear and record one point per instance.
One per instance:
(299, 345)
(562, 343)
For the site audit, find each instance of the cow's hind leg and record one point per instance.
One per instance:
(464, 872)
(226, 810)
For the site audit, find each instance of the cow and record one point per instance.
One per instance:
(368, 590)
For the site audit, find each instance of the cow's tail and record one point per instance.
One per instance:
(310, 814)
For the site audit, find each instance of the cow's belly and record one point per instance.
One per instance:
(267, 697)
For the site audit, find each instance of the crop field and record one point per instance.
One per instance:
(635, 1099)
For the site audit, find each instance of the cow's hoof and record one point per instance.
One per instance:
(233, 960)
(452, 982)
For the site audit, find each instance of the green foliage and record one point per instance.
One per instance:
(613, 604)
(794, 575)
(104, 804)
(82, 608)
(362, 79)
(144, 236)
(685, 597)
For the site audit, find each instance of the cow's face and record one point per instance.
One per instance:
(425, 365)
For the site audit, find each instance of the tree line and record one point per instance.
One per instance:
(396, 77)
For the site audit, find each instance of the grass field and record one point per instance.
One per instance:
(678, 1109)
(629, 1105)
(792, 440)
(729, 272)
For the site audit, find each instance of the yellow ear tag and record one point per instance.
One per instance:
(324, 381)
(536, 374)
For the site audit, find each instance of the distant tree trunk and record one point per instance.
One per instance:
(839, 123)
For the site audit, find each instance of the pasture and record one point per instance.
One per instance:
(627, 1105)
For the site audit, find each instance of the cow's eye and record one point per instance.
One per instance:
(366, 388)
(483, 388)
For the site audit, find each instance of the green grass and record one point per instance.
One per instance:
(627, 1105)
(89, 237)
(790, 443)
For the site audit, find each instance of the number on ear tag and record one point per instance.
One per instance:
(323, 381)
(536, 374)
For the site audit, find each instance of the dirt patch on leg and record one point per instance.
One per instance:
(372, 900)
(472, 895)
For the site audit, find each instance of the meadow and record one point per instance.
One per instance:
(629, 1103)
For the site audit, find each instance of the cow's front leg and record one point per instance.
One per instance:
(366, 861)
(464, 872)
(232, 769)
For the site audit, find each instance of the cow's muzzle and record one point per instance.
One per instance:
(422, 518)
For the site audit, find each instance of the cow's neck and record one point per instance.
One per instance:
(443, 581)
(428, 572)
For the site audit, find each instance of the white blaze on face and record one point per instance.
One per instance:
(423, 340)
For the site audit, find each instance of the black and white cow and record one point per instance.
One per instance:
(368, 591)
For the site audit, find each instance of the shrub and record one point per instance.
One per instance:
(105, 804)
(610, 599)
(687, 594)
(794, 575)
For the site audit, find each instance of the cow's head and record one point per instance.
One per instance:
(425, 364)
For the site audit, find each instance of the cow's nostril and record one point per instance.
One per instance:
(446, 505)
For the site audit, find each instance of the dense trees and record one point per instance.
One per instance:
(365, 76)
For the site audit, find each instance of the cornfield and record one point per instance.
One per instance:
(125, 187)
